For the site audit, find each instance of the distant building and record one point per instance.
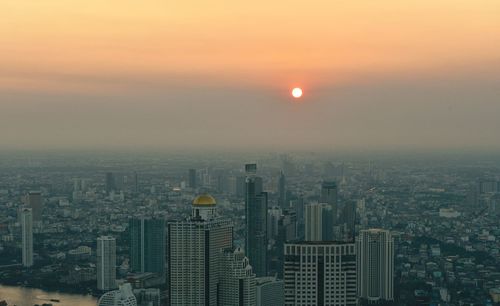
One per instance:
(35, 202)
(375, 254)
(329, 195)
(106, 263)
(319, 226)
(27, 236)
(270, 291)
(237, 280)
(195, 254)
(320, 273)
(192, 178)
(147, 245)
(121, 297)
(110, 183)
(256, 221)
(282, 202)
(147, 297)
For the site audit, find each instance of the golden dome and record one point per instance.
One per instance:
(204, 199)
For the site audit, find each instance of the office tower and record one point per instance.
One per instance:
(273, 216)
(237, 282)
(106, 263)
(27, 233)
(348, 221)
(375, 254)
(256, 221)
(192, 178)
(318, 225)
(124, 296)
(240, 186)
(110, 183)
(329, 194)
(269, 291)
(194, 257)
(320, 273)
(147, 245)
(282, 191)
(35, 202)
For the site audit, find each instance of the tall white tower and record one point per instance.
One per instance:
(195, 252)
(106, 263)
(375, 255)
(27, 233)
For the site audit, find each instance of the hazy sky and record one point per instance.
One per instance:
(217, 74)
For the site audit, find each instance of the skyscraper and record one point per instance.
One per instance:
(147, 245)
(27, 236)
(237, 282)
(318, 225)
(282, 203)
(329, 194)
(124, 296)
(35, 202)
(192, 178)
(195, 247)
(106, 263)
(320, 273)
(256, 221)
(375, 253)
(110, 183)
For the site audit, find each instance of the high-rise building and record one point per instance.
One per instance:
(106, 263)
(192, 178)
(320, 273)
(194, 257)
(348, 221)
(329, 195)
(256, 221)
(282, 203)
(123, 296)
(147, 296)
(269, 291)
(27, 236)
(110, 183)
(147, 245)
(35, 202)
(237, 282)
(319, 226)
(375, 254)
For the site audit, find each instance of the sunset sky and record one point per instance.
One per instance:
(192, 74)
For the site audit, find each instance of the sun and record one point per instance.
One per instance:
(297, 92)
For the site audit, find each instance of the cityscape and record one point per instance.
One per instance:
(249, 153)
(286, 229)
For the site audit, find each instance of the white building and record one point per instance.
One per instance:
(318, 222)
(237, 280)
(121, 297)
(194, 255)
(27, 236)
(106, 263)
(320, 273)
(269, 291)
(375, 253)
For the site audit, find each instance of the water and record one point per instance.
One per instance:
(21, 296)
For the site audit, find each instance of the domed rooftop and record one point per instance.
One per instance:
(204, 199)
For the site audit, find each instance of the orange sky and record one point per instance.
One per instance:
(77, 46)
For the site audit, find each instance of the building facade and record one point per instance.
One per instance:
(237, 283)
(147, 245)
(375, 254)
(320, 273)
(27, 236)
(106, 263)
(194, 257)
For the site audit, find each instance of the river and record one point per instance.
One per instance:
(22, 296)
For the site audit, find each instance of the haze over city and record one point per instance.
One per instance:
(217, 75)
